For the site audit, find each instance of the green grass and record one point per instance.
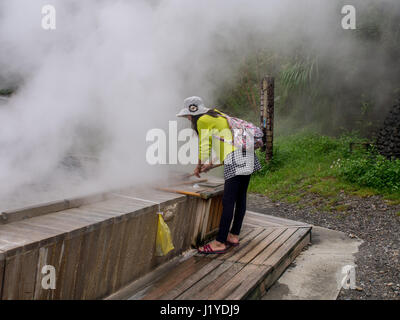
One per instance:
(306, 163)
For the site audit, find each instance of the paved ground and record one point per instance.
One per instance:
(317, 272)
(369, 219)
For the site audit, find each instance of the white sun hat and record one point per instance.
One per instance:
(193, 106)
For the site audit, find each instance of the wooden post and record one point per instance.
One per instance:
(267, 114)
(263, 107)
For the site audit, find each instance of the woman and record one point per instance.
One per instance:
(213, 131)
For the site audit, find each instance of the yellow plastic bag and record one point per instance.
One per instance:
(163, 241)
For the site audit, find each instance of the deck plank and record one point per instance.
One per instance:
(258, 260)
(206, 278)
(223, 278)
(244, 279)
(275, 220)
(175, 279)
(254, 232)
(245, 271)
(265, 242)
(286, 247)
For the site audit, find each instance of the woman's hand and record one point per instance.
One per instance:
(197, 171)
(207, 167)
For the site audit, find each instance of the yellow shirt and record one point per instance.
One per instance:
(210, 128)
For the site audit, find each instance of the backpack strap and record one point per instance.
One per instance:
(221, 113)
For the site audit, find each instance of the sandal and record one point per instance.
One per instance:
(232, 244)
(208, 250)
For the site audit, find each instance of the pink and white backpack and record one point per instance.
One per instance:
(245, 135)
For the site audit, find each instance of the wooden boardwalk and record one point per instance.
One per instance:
(268, 245)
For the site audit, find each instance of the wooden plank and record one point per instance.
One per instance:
(121, 205)
(41, 224)
(119, 246)
(206, 266)
(224, 272)
(277, 270)
(218, 217)
(30, 239)
(48, 255)
(210, 215)
(12, 243)
(140, 287)
(19, 276)
(55, 222)
(27, 278)
(245, 278)
(184, 208)
(46, 235)
(124, 258)
(136, 258)
(218, 214)
(112, 257)
(205, 218)
(208, 277)
(10, 248)
(243, 243)
(86, 258)
(95, 284)
(258, 260)
(162, 197)
(213, 286)
(164, 288)
(254, 250)
(212, 221)
(198, 215)
(69, 268)
(249, 246)
(32, 211)
(83, 220)
(252, 275)
(275, 220)
(143, 254)
(11, 277)
(2, 266)
(260, 222)
(105, 214)
(286, 247)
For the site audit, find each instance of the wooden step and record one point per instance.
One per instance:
(244, 272)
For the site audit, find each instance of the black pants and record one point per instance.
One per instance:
(235, 192)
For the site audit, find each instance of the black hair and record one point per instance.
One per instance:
(211, 112)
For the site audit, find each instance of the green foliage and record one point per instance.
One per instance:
(370, 169)
(330, 90)
(307, 162)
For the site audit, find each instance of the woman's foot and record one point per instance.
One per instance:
(213, 247)
(233, 239)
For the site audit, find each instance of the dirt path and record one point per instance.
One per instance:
(370, 219)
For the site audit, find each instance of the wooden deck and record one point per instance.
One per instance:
(267, 247)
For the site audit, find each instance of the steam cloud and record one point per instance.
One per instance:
(112, 70)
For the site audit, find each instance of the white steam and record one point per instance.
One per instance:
(114, 69)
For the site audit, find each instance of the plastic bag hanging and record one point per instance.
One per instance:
(163, 241)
